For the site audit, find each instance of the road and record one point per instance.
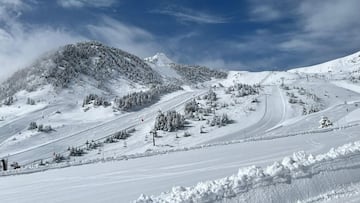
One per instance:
(123, 181)
(274, 113)
(60, 144)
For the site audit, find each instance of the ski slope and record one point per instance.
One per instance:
(125, 180)
(125, 121)
(274, 130)
(274, 113)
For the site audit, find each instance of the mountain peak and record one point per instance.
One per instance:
(159, 59)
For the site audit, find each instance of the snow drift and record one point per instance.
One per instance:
(300, 176)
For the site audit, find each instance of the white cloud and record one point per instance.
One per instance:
(85, 3)
(10, 9)
(323, 17)
(264, 12)
(189, 15)
(327, 29)
(129, 38)
(315, 31)
(21, 44)
(219, 63)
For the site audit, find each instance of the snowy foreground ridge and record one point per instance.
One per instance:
(308, 174)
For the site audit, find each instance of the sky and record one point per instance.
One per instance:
(233, 34)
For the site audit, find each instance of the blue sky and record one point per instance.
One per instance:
(233, 34)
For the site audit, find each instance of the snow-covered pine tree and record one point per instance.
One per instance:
(325, 122)
(32, 125)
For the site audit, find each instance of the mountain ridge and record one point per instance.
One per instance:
(347, 63)
(105, 67)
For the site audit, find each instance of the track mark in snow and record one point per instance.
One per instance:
(340, 194)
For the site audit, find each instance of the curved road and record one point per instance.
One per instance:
(275, 112)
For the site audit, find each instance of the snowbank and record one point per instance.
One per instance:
(297, 177)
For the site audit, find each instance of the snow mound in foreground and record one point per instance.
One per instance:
(297, 177)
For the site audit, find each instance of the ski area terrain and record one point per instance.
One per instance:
(92, 123)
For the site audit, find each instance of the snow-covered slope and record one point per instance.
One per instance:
(162, 64)
(345, 64)
(257, 184)
(190, 74)
(230, 120)
(159, 59)
(87, 63)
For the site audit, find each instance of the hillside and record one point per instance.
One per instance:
(189, 74)
(74, 63)
(92, 65)
(132, 129)
(345, 64)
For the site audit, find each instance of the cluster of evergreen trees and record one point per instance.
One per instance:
(197, 74)
(140, 99)
(309, 95)
(191, 107)
(8, 101)
(30, 101)
(210, 96)
(40, 127)
(195, 112)
(243, 89)
(307, 108)
(99, 62)
(311, 109)
(293, 99)
(93, 145)
(91, 59)
(57, 158)
(121, 135)
(96, 100)
(76, 151)
(219, 120)
(169, 121)
(325, 122)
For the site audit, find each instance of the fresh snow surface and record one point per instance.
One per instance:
(125, 180)
(159, 59)
(346, 64)
(257, 184)
(162, 64)
(280, 120)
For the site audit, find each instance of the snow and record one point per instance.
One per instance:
(287, 171)
(345, 64)
(159, 59)
(126, 180)
(162, 64)
(263, 136)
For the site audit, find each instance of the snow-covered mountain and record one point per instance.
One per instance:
(345, 64)
(103, 68)
(87, 63)
(186, 73)
(87, 103)
(159, 59)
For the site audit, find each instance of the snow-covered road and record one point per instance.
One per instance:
(123, 181)
(46, 149)
(275, 112)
